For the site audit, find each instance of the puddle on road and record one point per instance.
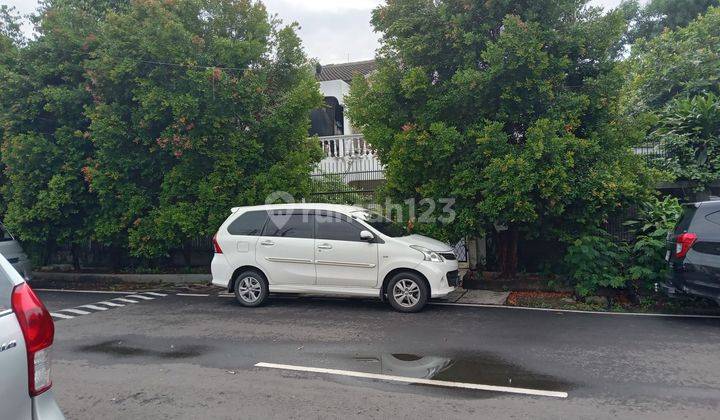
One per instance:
(475, 369)
(122, 349)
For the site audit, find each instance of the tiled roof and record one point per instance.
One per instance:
(345, 71)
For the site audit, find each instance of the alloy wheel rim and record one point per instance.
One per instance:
(249, 289)
(406, 293)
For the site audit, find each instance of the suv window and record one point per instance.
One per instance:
(335, 227)
(248, 224)
(290, 225)
(684, 223)
(714, 217)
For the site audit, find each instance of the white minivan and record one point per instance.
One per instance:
(327, 249)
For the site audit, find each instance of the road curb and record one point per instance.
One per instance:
(174, 279)
(573, 311)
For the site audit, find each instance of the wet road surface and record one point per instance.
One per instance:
(196, 357)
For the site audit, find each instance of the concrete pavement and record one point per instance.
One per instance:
(196, 357)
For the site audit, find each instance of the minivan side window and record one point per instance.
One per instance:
(290, 225)
(334, 227)
(248, 224)
(714, 217)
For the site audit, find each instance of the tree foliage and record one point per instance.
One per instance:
(674, 84)
(200, 105)
(689, 134)
(43, 118)
(511, 107)
(651, 19)
(684, 62)
(140, 124)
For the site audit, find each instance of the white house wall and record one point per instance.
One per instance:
(339, 90)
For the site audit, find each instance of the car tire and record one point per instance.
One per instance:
(407, 292)
(251, 289)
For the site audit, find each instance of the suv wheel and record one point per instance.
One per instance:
(407, 292)
(251, 289)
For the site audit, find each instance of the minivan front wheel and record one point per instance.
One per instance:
(407, 292)
(251, 289)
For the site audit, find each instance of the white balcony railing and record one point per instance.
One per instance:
(348, 155)
(353, 145)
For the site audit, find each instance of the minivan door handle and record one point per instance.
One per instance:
(267, 243)
(324, 246)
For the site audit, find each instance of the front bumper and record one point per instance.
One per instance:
(443, 277)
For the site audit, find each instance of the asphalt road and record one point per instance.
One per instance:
(195, 356)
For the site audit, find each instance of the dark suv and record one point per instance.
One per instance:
(694, 252)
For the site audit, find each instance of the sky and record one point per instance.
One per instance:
(333, 31)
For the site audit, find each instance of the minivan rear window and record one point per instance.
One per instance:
(684, 223)
(6, 288)
(248, 224)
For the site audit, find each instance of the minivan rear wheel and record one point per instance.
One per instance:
(251, 289)
(407, 292)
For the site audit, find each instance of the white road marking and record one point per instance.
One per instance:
(93, 307)
(192, 294)
(76, 311)
(405, 379)
(140, 297)
(114, 305)
(125, 300)
(226, 295)
(572, 311)
(60, 316)
(155, 294)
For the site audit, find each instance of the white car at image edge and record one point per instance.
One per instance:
(326, 249)
(27, 332)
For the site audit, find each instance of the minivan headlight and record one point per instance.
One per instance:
(427, 254)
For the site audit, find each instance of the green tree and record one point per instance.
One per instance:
(653, 18)
(42, 115)
(511, 107)
(10, 41)
(199, 106)
(684, 62)
(674, 85)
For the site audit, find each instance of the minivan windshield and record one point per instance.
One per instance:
(380, 223)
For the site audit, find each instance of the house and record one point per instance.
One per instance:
(347, 154)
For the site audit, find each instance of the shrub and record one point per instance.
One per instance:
(655, 219)
(595, 260)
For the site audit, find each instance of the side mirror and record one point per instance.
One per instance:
(366, 236)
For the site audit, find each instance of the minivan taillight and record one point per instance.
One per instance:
(683, 243)
(39, 331)
(218, 250)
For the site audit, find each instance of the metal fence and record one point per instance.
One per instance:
(651, 151)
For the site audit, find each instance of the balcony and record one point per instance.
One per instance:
(350, 156)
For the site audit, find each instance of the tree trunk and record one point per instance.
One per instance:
(187, 253)
(49, 253)
(75, 257)
(508, 252)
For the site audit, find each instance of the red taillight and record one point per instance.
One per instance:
(683, 243)
(39, 331)
(218, 250)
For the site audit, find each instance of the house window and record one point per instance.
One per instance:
(328, 120)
